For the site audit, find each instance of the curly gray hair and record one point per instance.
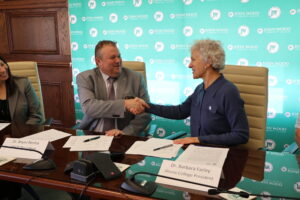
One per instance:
(210, 49)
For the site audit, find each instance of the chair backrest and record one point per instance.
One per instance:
(252, 83)
(136, 66)
(29, 69)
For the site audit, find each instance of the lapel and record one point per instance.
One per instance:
(13, 102)
(121, 81)
(100, 84)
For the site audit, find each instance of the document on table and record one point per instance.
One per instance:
(3, 125)
(76, 143)
(5, 159)
(155, 147)
(49, 135)
(196, 164)
(204, 155)
(24, 148)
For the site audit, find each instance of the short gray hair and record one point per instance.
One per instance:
(211, 49)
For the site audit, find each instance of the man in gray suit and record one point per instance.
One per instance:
(104, 91)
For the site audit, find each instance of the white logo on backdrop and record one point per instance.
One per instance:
(243, 30)
(74, 46)
(274, 12)
(158, 16)
(215, 14)
(273, 47)
(161, 132)
(273, 80)
(293, 11)
(297, 187)
(271, 113)
(137, 3)
(139, 58)
(113, 17)
(93, 60)
(187, 91)
(230, 47)
(159, 76)
(283, 169)
(93, 32)
(73, 19)
(268, 167)
(103, 3)
(287, 114)
(243, 61)
(260, 30)
(187, 31)
(245, 1)
(291, 47)
(75, 71)
(186, 61)
(187, 2)
(92, 4)
(76, 98)
(187, 121)
(159, 46)
(138, 31)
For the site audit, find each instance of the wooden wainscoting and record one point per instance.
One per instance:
(38, 31)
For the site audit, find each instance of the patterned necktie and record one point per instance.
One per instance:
(109, 123)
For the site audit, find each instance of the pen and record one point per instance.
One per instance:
(166, 146)
(90, 139)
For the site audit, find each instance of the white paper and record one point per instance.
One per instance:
(234, 196)
(76, 143)
(122, 167)
(204, 155)
(27, 145)
(5, 159)
(146, 148)
(203, 174)
(3, 125)
(49, 135)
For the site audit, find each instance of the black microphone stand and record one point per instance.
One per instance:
(148, 188)
(41, 164)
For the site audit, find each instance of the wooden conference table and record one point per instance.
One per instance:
(238, 163)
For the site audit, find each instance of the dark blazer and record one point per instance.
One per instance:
(217, 114)
(24, 105)
(93, 99)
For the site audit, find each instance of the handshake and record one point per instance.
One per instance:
(136, 106)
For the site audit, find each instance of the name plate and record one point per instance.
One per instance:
(197, 173)
(25, 148)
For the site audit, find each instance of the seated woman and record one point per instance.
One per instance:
(18, 103)
(216, 108)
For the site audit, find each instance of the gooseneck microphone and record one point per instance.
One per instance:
(148, 188)
(41, 164)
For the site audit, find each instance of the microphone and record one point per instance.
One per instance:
(41, 164)
(148, 188)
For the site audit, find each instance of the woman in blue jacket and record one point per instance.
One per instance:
(216, 109)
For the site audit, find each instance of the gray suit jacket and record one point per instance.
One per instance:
(24, 105)
(93, 99)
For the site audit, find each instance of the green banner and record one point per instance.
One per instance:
(160, 33)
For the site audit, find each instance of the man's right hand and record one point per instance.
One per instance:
(136, 106)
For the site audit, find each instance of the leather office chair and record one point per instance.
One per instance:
(252, 83)
(136, 66)
(141, 67)
(29, 69)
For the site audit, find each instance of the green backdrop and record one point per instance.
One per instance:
(160, 33)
